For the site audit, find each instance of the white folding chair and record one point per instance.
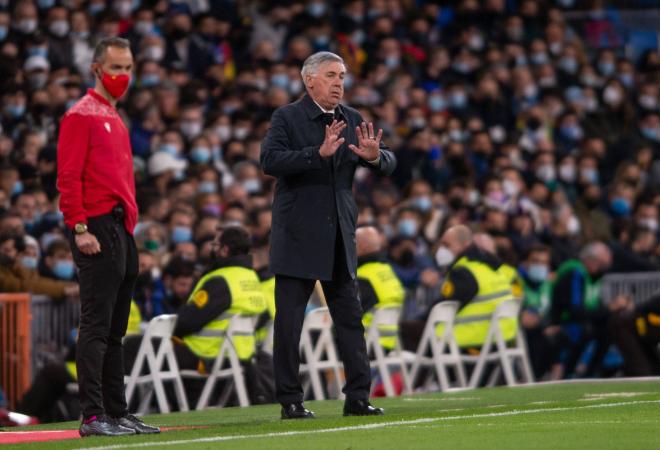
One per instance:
(267, 344)
(159, 328)
(238, 326)
(495, 349)
(384, 324)
(320, 354)
(443, 349)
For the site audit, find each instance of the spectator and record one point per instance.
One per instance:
(578, 308)
(17, 276)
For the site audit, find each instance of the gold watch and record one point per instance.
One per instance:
(80, 228)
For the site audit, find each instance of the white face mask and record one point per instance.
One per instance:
(59, 28)
(510, 187)
(223, 132)
(651, 224)
(241, 133)
(444, 257)
(567, 173)
(573, 226)
(191, 129)
(154, 53)
(252, 185)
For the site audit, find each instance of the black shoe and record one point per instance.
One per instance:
(135, 423)
(361, 408)
(102, 426)
(296, 411)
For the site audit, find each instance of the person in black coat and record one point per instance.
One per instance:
(313, 147)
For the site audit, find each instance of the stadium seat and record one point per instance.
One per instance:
(496, 350)
(383, 319)
(159, 328)
(238, 326)
(320, 354)
(443, 350)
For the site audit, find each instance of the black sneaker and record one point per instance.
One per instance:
(361, 408)
(136, 424)
(102, 426)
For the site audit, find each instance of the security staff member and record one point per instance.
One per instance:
(97, 187)
(230, 286)
(378, 285)
(474, 281)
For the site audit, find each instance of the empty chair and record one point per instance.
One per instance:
(438, 350)
(159, 329)
(318, 349)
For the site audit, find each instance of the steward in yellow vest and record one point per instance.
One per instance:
(379, 286)
(474, 279)
(231, 286)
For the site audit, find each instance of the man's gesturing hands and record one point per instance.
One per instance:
(368, 147)
(332, 140)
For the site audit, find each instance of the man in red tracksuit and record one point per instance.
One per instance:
(95, 180)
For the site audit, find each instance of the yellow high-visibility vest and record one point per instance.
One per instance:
(389, 292)
(247, 298)
(472, 321)
(268, 287)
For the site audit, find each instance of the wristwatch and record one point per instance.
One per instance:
(80, 228)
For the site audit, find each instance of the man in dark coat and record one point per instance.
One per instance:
(313, 147)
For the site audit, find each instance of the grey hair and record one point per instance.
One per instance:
(593, 250)
(312, 63)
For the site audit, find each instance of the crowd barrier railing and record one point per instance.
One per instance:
(52, 324)
(638, 285)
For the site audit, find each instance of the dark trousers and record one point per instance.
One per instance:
(291, 296)
(106, 287)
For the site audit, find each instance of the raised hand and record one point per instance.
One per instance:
(332, 140)
(368, 143)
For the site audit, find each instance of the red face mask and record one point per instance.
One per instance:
(116, 85)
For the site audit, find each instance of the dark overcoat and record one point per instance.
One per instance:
(313, 195)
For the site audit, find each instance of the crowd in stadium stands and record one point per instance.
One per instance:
(524, 119)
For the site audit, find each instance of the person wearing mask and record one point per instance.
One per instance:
(313, 148)
(18, 271)
(97, 187)
(476, 283)
(58, 261)
(576, 306)
(378, 284)
(541, 336)
(230, 286)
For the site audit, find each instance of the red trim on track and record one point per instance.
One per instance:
(19, 437)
